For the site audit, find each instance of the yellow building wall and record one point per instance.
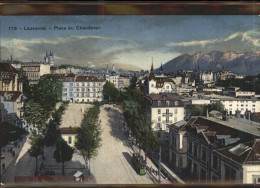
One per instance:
(249, 172)
(66, 138)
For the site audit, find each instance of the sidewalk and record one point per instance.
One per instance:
(11, 152)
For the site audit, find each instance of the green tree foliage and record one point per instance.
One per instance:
(35, 114)
(36, 148)
(201, 110)
(110, 93)
(63, 152)
(88, 138)
(9, 133)
(52, 132)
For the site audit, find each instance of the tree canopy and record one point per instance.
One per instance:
(63, 152)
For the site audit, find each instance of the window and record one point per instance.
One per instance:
(159, 103)
(167, 111)
(159, 118)
(195, 151)
(253, 105)
(190, 147)
(70, 140)
(215, 162)
(64, 89)
(195, 168)
(175, 111)
(204, 155)
(230, 173)
(174, 159)
(174, 142)
(168, 103)
(83, 84)
(159, 111)
(202, 174)
(152, 85)
(77, 84)
(189, 163)
(167, 119)
(175, 119)
(82, 94)
(167, 87)
(88, 84)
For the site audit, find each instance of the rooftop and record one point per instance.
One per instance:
(10, 96)
(87, 79)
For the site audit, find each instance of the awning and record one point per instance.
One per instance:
(78, 174)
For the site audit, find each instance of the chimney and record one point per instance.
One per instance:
(207, 114)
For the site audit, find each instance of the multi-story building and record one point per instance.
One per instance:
(163, 110)
(231, 104)
(35, 71)
(123, 82)
(120, 81)
(9, 78)
(158, 84)
(82, 89)
(12, 107)
(211, 150)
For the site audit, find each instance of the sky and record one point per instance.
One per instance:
(126, 41)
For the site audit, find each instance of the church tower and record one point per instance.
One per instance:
(49, 58)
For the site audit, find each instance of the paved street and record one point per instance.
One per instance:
(74, 114)
(113, 163)
(22, 165)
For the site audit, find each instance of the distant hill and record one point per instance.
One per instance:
(240, 63)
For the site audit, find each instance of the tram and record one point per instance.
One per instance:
(139, 164)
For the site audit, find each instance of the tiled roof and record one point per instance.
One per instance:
(173, 101)
(14, 95)
(68, 130)
(254, 154)
(7, 70)
(87, 79)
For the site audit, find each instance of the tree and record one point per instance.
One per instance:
(110, 92)
(34, 114)
(36, 148)
(63, 152)
(88, 138)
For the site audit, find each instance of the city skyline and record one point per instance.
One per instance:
(126, 41)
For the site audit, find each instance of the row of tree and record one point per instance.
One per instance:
(40, 104)
(132, 102)
(49, 135)
(88, 138)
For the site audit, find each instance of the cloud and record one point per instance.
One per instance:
(79, 50)
(238, 41)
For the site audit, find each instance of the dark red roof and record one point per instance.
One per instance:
(237, 158)
(7, 70)
(68, 130)
(15, 95)
(154, 98)
(254, 154)
(87, 79)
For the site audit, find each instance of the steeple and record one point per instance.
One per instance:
(152, 65)
(107, 69)
(161, 69)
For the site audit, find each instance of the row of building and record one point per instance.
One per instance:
(212, 150)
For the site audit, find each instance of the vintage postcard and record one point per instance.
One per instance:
(102, 98)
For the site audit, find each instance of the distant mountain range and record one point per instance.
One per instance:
(240, 63)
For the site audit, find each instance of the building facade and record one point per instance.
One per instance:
(82, 89)
(163, 110)
(35, 71)
(12, 107)
(9, 78)
(203, 150)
